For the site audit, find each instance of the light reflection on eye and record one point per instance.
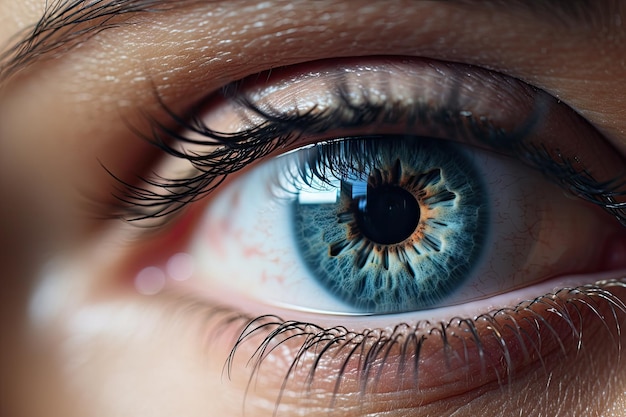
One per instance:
(461, 239)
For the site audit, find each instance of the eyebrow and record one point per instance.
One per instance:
(67, 23)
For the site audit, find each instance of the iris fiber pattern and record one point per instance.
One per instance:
(430, 241)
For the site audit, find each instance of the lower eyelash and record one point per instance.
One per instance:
(510, 330)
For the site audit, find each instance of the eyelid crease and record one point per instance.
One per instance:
(226, 152)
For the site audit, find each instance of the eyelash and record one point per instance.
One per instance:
(279, 131)
(334, 347)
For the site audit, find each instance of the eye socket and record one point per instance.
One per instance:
(479, 114)
(528, 219)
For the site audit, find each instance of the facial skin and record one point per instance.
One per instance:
(79, 340)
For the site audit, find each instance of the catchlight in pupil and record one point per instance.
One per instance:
(388, 214)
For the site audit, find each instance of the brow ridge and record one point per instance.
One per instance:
(67, 23)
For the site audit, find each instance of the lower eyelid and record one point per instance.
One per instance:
(425, 363)
(359, 322)
(339, 375)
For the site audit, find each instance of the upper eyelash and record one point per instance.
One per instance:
(337, 345)
(237, 150)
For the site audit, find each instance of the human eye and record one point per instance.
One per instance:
(418, 213)
(171, 279)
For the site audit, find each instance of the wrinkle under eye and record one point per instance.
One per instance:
(420, 363)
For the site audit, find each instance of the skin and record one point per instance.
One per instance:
(94, 346)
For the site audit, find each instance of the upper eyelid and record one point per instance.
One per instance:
(181, 91)
(549, 14)
(281, 130)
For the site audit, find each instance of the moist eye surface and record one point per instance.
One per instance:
(297, 231)
(406, 227)
(424, 188)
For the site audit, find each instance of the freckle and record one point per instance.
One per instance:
(150, 281)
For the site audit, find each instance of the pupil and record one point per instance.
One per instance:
(388, 214)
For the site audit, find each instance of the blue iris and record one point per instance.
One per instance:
(399, 224)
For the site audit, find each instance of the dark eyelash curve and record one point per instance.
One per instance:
(157, 197)
(335, 347)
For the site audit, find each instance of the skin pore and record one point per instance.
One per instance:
(79, 340)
